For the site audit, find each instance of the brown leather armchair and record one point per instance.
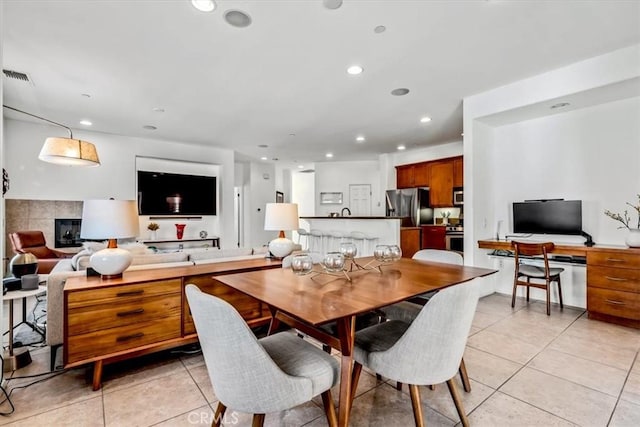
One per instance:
(33, 242)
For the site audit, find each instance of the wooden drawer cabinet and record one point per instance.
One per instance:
(614, 303)
(117, 318)
(113, 340)
(613, 286)
(409, 241)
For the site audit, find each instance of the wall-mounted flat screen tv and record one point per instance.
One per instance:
(548, 217)
(161, 193)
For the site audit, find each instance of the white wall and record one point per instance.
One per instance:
(262, 190)
(116, 177)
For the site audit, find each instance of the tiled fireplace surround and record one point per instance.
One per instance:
(37, 215)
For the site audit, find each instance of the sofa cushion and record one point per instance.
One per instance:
(204, 255)
(159, 258)
(83, 256)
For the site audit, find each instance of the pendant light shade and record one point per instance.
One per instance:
(65, 151)
(68, 151)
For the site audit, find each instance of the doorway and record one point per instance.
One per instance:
(360, 199)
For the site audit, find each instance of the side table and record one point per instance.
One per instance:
(20, 357)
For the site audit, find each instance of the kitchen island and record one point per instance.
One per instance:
(379, 230)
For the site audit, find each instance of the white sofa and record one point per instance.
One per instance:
(76, 266)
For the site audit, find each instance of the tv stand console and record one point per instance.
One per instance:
(613, 279)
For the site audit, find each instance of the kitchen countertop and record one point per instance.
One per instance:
(351, 217)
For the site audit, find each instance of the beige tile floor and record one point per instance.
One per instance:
(526, 369)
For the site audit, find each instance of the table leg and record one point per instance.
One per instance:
(10, 328)
(97, 375)
(346, 332)
(275, 322)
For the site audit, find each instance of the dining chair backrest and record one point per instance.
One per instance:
(439, 255)
(242, 373)
(430, 350)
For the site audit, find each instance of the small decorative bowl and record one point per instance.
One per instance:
(301, 264)
(348, 249)
(333, 262)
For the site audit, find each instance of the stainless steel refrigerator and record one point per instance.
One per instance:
(412, 204)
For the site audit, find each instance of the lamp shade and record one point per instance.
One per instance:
(281, 216)
(69, 151)
(109, 219)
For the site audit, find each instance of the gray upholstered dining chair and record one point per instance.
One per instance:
(424, 352)
(408, 311)
(258, 376)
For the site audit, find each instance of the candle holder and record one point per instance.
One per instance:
(180, 230)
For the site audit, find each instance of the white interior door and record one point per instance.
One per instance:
(360, 199)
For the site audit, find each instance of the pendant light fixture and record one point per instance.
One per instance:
(65, 151)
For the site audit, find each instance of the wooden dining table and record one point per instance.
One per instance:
(306, 302)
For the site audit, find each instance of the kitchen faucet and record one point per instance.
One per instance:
(348, 211)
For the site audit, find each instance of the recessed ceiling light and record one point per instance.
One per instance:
(401, 91)
(158, 110)
(425, 119)
(237, 18)
(401, 147)
(560, 105)
(86, 95)
(263, 158)
(292, 134)
(379, 29)
(263, 146)
(332, 4)
(328, 155)
(300, 166)
(355, 70)
(204, 5)
(85, 122)
(360, 139)
(149, 127)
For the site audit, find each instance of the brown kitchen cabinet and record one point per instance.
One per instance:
(433, 237)
(409, 241)
(458, 172)
(441, 188)
(441, 176)
(414, 175)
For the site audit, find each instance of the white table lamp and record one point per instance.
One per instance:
(112, 220)
(281, 217)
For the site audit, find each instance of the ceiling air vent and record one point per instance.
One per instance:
(307, 171)
(16, 75)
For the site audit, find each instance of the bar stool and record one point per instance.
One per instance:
(316, 240)
(358, 239)
(333, 239)
(303, 233)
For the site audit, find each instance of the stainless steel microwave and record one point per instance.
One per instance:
(458, 197)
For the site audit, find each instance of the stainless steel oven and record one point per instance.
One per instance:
(454, 239)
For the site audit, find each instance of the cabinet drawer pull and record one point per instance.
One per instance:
(616, 279)
(130, 293)
(610, 301)
(130, 337)
(131, 312)
(615, 260)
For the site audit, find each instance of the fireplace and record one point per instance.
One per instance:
(67, 233)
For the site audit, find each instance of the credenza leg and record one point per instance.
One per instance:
(97, 375)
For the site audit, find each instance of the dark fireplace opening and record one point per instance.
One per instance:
(67, 233)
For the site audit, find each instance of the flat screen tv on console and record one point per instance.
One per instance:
(161, 193)
(548, 217)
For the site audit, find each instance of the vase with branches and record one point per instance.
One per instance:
(633, 238)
